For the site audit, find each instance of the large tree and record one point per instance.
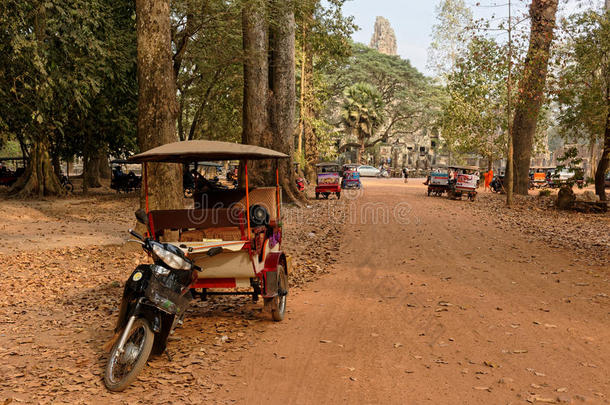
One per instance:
(322, 42)
(473, 118)
(531, 89)
(282, 86)
(157, 105)
(583, 88)
(256, 110)
(51, 67)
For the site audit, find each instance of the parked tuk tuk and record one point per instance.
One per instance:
(121, 181)
(198, 173)
(463, 180)
(231, 240)
(351, 180)
(8, 177)
(328, 179)
(540, 176)
(438, 181)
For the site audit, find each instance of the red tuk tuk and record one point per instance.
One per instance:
(328, 180)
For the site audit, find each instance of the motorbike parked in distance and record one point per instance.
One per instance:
(66, 183)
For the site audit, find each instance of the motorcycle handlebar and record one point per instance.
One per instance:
(137, 235)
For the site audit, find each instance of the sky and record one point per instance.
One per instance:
(412, 20)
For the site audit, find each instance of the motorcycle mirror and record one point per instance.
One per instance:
(142, 217)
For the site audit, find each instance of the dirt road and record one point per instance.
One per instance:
(427, 301)
(429, 304)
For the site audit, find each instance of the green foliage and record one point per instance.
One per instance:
(207, 40)
(325, 30)
(453, 19)
(323, 45)
(410, 100)
(583, 64)
(9, 148)
(64, 61)
(474, 118)
(570, 162)
(362, 110)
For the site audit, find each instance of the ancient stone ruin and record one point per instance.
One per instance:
(384, 38)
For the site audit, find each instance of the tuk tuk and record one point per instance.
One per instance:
(196, 173)
(121, 181)
(8, 177)
(540, 176)
(438, 181)
(328, 179)
(463, 180)
(351, 180)
(229, 244)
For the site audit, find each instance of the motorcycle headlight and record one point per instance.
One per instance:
(171, 259)
(160, 271)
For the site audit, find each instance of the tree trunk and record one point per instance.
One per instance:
(39, 178)
(308, 115)
(284, 94)
(604, 162)
(255, 116)
(103, 165)
(592, 157)
(157, 106)
(56, 164)
(361, 150)
(531, 89)
(91, 172)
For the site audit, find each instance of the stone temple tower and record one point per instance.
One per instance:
(384, 38)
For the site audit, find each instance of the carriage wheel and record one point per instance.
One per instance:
(326, 195)
(278, 303)
(317, 196)
(338, 195)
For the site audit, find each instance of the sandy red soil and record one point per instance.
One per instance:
(425, 300)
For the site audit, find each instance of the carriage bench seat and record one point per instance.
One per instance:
(197, 224)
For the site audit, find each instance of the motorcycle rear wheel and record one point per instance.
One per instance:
(139, 345)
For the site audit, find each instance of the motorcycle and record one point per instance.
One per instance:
(155, 299)
(300, 182)
(497, 184)
(383, 173)
(66, 183)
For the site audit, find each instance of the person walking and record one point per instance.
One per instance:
(405, 174)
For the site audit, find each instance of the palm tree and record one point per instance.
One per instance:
(362, 112)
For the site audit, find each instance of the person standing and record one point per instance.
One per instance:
(405, 174)
(488, 178)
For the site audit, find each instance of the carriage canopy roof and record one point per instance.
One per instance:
(119, 161)
(193, 151)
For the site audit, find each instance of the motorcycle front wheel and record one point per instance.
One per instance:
(123, 368)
